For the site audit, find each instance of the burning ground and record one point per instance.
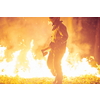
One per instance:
(21, 59)
(85, 79)
(35, 71)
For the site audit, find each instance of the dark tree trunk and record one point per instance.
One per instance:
(85, 29)
(97, 43)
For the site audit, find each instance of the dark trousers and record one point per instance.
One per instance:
(54, 62)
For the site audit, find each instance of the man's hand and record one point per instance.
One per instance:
(44, 53)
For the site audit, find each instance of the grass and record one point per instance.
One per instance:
(86, 79)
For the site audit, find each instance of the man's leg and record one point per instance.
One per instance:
(59, 75)
(57, 64)
(50, 63)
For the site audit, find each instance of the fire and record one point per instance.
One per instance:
(7, 68)
(38, 68)
(77, 68)
(2, 49)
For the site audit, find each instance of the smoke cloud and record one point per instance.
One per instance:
(14, 30)
(18, 32)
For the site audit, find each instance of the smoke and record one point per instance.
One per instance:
(17, 33)
(13, 30)
(76, 42)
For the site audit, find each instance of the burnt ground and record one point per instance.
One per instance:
(85, 79)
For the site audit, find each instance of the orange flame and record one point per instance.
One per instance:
(38, 68)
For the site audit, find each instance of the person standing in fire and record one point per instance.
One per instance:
(58, 47)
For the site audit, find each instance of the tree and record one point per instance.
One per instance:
(97, 43)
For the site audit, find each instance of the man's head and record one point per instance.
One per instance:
(54, 19)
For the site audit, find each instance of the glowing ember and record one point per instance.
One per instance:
(38, 68)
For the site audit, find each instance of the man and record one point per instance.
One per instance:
(58, 48)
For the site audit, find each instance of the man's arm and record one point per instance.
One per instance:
(64, 33)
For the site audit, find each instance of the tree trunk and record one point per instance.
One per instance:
(97, 43)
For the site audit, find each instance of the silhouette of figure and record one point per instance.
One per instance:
(58, 47)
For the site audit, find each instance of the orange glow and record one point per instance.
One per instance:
(24, 38)
(38, 68)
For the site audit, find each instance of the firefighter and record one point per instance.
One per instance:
(58, 47)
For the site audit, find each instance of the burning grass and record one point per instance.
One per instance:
(84, 79)
(25, 69)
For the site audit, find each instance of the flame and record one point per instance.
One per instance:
(7, 68)
(77, 68)
(38, 68)
(2, 49)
